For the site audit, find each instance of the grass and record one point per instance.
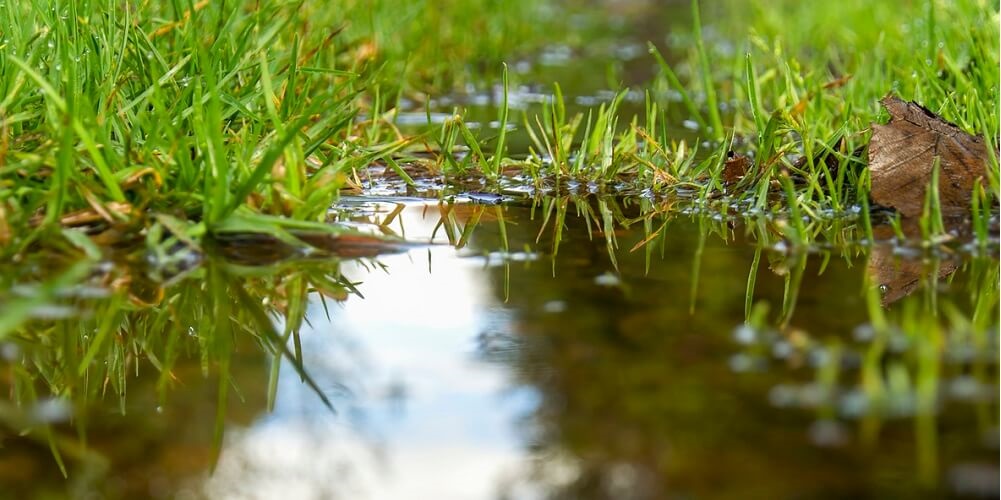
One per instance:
(121, 314)
(164, 128)
(221, 115)
(242, 119)
(86, 334)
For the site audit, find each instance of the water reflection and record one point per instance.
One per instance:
(527, 351)
(613, 387)
(419, 402)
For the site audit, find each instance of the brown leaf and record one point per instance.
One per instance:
(898, 277)
(902, 153)
(735, 168)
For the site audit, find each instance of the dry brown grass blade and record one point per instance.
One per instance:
(96, 213)
(167, 28)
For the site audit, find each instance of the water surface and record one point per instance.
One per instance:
(501, 370)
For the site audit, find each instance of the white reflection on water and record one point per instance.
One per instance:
(424, 417)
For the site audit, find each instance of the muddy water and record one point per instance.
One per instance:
(501, 370)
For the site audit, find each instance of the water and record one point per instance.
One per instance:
(502, 371)
(526, 349)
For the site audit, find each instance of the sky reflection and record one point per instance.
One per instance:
(419, 415)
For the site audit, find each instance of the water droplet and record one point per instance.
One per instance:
(50, 411)
(854, 404)
(782, 349)
(820, 357)
(782, 396)
(965, 388)
(744, 334)
(741, 363)
(159, 409)
(607, 279)
(828, 433)
(863, 333)
(554, 306)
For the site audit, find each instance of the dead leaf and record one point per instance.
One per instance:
(898, 277)
(902, 153)
(353, 245)
(735, 168)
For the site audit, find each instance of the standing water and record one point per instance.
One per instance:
(544, 342)
(531, 364)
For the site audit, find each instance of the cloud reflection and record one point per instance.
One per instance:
(421, 416)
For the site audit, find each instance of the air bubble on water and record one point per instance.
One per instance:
(744, 334)
(741, 363)
(191, 332)
(863, 333)
(854, 404)
(965, 388)
(50, 411)
(820, 357)
(782, 396)
(607, 279)
(782, 349)
(554, 306)
(812, 395)
(828, 433)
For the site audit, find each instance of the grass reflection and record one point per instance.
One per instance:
(113, 324)
(671, 348)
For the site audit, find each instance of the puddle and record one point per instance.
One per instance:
(498, 370)
(516, 347)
